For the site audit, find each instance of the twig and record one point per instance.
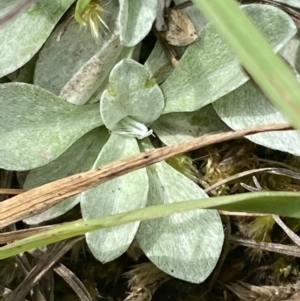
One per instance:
(11, 191)
(46, 262)
(184, 5)
(46, 196)
(25, 266)
(266, 246)
(249, 292)
(73, 281)
(272, 170)
(254, 188)
(13, 235)
(292, 235)
(237, 213)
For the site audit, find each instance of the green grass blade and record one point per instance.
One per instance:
(275, 79)
(281, 203)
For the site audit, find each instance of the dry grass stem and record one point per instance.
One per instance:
(144, 280)
(248, 292)
(46, 196)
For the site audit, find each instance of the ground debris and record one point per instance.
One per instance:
(249, 292)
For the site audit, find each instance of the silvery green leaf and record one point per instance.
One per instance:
(6, 5)
(122, 194)
(77, 158)
(36, 126)
(59, 60)
(91, 75)
(175, 128)
(11, 9)
(294, 3)
(158, 64)
(184, 245)
(135, 20)
(127, 52)
(76, 65)
(247, 106)
(131, 93)
(208, 69)
(291, 52)
(23, 37)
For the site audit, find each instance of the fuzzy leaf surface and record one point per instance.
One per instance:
(76, 65)
(185, 245)
(127, 52)
(291, 53)
(208, 69)
(26, 34)
(122, 194)
(175, 128)
(135, 20)
(294, 3)
(247, 106)
(77, 158)
(130, 93)
(36, 126)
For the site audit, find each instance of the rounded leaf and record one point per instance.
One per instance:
(294, 3)
(84, 83)
(26, 34)
(121, 194)
(175, 128)
(76, 65)
(127, 52)
(208, 69)
(77, 158)
(247, 106)
(36, 126)
(135, 20)
(291, 52)
(185, 245)
(130, 94)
